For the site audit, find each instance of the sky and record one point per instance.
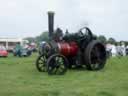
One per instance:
(25, 18)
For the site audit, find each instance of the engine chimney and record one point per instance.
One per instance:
(51, 24)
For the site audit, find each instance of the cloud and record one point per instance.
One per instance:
(20, 18)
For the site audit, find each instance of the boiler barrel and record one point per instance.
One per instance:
(68, 49)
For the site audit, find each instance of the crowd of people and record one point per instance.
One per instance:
(117, 49)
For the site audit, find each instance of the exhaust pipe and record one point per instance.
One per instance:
(51, 24)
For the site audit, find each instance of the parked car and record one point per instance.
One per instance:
(3, 52)
(23, 52)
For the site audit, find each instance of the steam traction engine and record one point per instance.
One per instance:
(73, 49)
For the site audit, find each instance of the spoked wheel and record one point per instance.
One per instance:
(41, 63)
(95, 55)
(57, 64)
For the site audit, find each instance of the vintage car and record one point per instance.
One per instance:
(3, 52)
(22, 52)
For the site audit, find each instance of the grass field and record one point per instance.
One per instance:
(19, 77)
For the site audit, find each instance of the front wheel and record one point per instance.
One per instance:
(57, 64)
(41, 63)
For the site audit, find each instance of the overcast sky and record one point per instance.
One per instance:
(23, 18)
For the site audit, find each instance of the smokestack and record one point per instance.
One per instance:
(51, 24)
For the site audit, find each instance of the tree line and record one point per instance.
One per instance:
(110, 40)
(44, 37)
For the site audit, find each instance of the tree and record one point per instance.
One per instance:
(38, 39)
(30, 39)
(126, 42)
(102, 38)
(42, 37)
(112, 40)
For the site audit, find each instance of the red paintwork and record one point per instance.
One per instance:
(68, 49)
(3, 53)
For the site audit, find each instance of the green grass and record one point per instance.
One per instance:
(19, 77)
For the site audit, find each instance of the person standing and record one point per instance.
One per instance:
(18, 49)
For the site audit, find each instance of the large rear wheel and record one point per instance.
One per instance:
(95, 55)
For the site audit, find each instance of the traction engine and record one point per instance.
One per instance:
(71, 50)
